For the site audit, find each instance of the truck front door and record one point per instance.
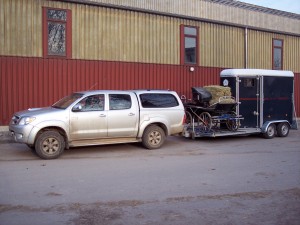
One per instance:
(249, 98)
(88, 120)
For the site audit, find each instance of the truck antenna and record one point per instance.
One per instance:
(93, 86)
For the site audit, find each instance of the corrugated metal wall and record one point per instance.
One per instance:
(100, 33)
(118, 35)
(260, 50)
(215, 11)
(221, 46)
(297, 94)
(20, 28)
(37, 82)
(120, 49)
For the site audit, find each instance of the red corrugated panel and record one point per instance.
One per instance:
(37, 82)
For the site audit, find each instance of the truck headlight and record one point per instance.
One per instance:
(26, 120)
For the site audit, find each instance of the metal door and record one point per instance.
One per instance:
(249, 89)
(90, 120)
(123, 116)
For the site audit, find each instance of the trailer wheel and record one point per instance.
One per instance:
(270, 132)
(49, 145)
(205, 121)
(153, 137)
(283, 129)
(232, 123)
(188, 118)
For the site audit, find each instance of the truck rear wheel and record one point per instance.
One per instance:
(283, 129)
(153, 137)
(49, 145)
(270, 132)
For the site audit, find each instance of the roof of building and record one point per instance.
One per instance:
(256, 8)
(227, 12)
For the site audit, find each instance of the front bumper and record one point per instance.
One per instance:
(21, 133)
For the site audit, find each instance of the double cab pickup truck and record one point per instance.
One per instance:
(100, 117)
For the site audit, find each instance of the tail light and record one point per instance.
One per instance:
(184, 119)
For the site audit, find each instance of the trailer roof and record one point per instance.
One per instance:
(255, 72)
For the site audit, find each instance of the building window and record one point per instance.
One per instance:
(57, 40)
(277, 54)
(189, 44)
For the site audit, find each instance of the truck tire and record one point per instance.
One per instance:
(49, 145)
(283, 129)
(153, 137)
(270, 131)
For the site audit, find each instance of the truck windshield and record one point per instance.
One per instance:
(67, 101)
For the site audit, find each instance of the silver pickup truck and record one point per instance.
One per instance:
(100, 117)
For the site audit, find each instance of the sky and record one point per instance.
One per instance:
(284, 5)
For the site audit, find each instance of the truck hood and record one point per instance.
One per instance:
(38, 111)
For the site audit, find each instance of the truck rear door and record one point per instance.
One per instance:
(123, 115)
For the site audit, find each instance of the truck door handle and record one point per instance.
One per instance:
(131, 114)
(102, 115)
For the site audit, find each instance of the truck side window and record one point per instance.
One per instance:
(92, 103)
(119, 101)
(156, 100)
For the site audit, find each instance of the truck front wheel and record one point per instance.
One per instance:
(153, 137)
(49, 145)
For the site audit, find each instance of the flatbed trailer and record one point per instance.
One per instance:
(264, 105)
(189, 133)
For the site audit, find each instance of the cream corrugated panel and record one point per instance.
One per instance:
(20, 32)
(218, 12)
(260, 50)
(124, 35)
(221, 46)
(3, 28)
(291, 55)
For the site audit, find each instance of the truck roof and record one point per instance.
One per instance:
(123, 91)
(256, 72)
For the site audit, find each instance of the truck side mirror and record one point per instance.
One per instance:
(77, 108)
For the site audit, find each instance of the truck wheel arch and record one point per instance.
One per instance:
(61, 131)
(159, 124)
(153, 136)
(50, 144)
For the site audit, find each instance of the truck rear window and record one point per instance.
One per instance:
(119, 101)
(156, 100)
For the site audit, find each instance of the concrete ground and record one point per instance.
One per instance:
(232, 180)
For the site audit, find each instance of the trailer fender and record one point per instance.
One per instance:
(266, 125)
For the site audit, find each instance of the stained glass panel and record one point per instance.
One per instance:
(57, 14)
(56, 38)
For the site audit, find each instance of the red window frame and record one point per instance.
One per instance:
(182, 44)
(273, 53)
(68, 39)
